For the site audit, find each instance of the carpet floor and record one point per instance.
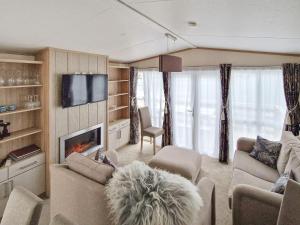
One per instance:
(211, 168)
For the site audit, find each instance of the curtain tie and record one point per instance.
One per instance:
(290, 111)
(224, 107)
(132, 101)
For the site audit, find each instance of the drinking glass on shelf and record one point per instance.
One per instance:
(36, 101)
(36, 79)
(19, 78)
(11, 81)
(2, 81)
(27, 80)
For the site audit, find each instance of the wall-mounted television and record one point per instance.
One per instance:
(79, 89)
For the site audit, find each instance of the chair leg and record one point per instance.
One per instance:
(154, 145)
(142, 138)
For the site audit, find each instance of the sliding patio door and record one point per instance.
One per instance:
(196, 109)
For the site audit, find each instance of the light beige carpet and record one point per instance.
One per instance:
(219, 173)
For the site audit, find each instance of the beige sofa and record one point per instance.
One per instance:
(82, 200)
(250, 197)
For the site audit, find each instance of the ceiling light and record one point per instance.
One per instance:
(192, 23)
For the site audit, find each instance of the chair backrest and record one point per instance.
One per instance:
(23, 208)
(145, 117)
(289, 213)
(60, 220)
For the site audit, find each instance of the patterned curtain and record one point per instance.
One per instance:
(225, 71)
(167, 138)
(291, 82)
(134, 116)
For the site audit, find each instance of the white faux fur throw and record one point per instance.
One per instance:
(140, 195)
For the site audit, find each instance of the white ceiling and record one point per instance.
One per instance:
(108, 27)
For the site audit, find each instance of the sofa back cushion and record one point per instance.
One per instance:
(294, 163)
(288, 140)
(90, 168)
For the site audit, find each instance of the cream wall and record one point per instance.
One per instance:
(210, 57)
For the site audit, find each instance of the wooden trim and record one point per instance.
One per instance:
(118, 65)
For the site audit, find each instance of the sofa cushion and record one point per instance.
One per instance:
(90, 168)
(184, 162)
(288, 140)
(242, 177)
(244, 162)
(294, 164)
(266, 151)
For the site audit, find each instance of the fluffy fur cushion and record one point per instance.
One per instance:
(140, 195)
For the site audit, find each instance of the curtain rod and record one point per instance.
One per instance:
(217, 66)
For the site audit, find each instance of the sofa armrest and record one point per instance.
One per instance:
(255, 206)
(207, 214)
(77, 197)
(245, 144)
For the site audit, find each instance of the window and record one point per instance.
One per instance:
(150, 93)
(257, 103)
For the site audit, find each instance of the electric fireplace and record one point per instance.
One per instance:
(85, 142)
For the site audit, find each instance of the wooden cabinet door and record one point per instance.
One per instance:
(33, 180)
(124, 135)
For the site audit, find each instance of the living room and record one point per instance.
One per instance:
(149, 112)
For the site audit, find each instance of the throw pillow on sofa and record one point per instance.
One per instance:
(266, 151)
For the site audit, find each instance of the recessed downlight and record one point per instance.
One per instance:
(192, 23)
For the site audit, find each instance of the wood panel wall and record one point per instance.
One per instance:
(68, 120)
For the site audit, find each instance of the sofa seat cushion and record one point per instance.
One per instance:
(243, 161)
(242, 177)
(184, 162)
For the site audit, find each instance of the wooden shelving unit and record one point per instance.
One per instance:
(21, 134)
(26, 125)
(118, 108)
(118, 101)
(19, 111)
(21, 86)
(118, 105)
(118, 94)
(20, 61)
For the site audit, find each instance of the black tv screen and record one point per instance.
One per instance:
(74, 90)
(97, 87)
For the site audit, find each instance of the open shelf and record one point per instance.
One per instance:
(20, 134)
(21, 86)
(118, 108)
(21, 61)
(118, 94)
(19, 111)
(112, 123)
(117, 81)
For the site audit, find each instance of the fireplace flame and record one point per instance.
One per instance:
(80, 147)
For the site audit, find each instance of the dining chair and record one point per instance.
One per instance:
(147, 129)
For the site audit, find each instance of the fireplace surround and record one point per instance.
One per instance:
(85, 142)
